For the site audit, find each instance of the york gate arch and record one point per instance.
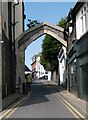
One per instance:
(28, 36)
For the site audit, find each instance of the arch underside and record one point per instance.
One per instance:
(32, 34)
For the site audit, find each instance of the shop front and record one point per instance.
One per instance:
(82, 56)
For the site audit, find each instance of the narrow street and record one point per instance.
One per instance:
(46, 44)
(42, 103)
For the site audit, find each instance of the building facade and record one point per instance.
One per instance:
(77, 50)
(33, 67)
(38, 70)
(62, 66)
(82, 49)
(12, 25)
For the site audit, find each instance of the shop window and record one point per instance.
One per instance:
(73, 77)
(84, 81)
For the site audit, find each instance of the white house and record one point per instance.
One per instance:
(62, 65)
(40, 72)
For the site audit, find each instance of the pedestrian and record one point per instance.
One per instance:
(28, 81)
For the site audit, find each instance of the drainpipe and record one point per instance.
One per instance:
(14, 23)
(13, 49)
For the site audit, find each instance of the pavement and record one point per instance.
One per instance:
(80, 105)
(10, 99)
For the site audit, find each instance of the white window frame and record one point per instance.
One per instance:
(84, 18)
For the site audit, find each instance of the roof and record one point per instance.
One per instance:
(73, 11)
(27, 69)
(77, 7)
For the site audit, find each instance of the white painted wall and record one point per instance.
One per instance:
(40, 71)
(39, 68)
(49, 75)
(62, 66)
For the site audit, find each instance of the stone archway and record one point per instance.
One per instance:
(28, 37)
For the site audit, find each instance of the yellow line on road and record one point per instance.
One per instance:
(7, 116)
(13, 109)
(70, 107)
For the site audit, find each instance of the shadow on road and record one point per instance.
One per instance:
(39, 92)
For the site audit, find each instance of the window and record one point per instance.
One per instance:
(46, 72)
(87, 19)
(81, 12)
(87, 5)
(73, 76)
(5, 27)
(82, 21)
(84, 9)
(84, 18)
(82, 24)
(39, 67)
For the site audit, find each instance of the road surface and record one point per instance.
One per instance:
(42, 103)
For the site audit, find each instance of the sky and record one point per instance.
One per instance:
(51, 12)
